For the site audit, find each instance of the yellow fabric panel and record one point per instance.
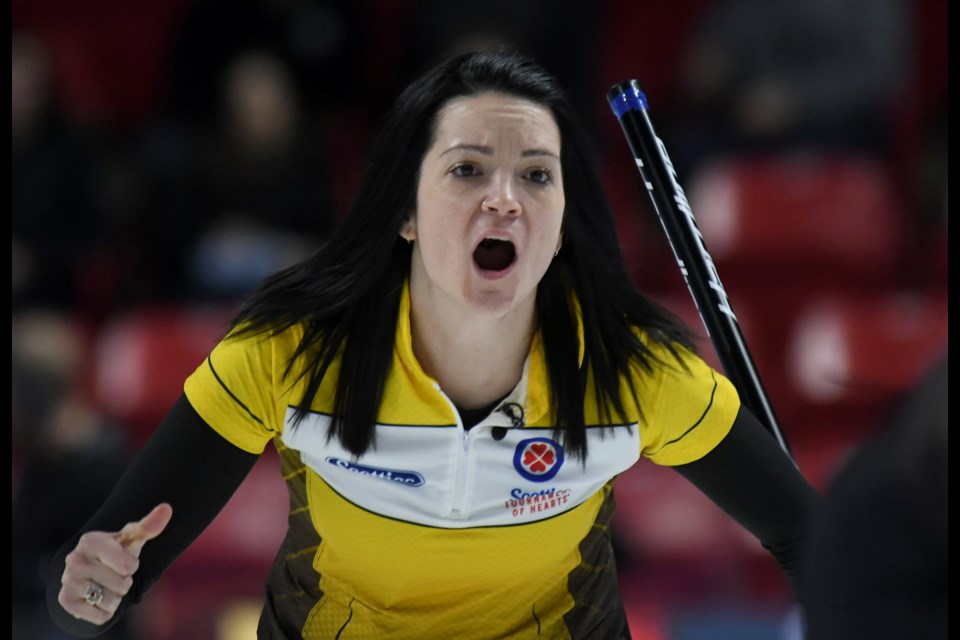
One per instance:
(237, 390)
(411, 581)
(686, 414)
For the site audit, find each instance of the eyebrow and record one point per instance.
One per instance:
(488, 151)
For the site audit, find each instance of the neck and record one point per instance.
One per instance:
(476, 357)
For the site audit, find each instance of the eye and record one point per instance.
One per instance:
(539, 176)
(465, 170)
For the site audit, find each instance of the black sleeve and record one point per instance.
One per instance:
(185, 463)
(753, 480)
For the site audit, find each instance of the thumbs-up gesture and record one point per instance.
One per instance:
(99, 571)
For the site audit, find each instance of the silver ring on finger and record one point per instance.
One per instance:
(93, 594)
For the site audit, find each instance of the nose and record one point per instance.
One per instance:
(502, 198)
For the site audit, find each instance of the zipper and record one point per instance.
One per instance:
(458, 509)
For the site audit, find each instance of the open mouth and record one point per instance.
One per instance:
(494, 255)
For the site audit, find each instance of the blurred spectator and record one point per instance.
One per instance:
(335, 54)
(768, 75)
(53, 205)
(263, 195)
(322, 44)
(61, 440)
(877, 563)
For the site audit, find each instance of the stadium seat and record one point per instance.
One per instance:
(802, 217)
(852, 359)
(142, 357)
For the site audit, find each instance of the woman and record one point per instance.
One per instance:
(453, 382)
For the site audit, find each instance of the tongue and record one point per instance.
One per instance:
(494, 255)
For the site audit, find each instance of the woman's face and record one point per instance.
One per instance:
(489, 203)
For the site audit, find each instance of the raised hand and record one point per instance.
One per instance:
(99, 571)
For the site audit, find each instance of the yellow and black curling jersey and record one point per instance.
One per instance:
(442, 532)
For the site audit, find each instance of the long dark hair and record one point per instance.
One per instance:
(347, 295)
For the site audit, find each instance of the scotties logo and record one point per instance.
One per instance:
(538, 459)
(406, 478)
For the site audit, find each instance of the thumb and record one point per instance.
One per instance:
(135, 534)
